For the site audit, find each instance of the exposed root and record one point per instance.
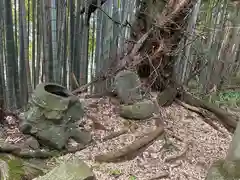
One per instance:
(167, 97)
(26, 153)
(207, 118)
(115, 134)
(227, 119)
(160, 176)
(178, 156)
(96, 124)
(135, 146)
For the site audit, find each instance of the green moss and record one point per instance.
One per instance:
(219, 164)
(115, 172)
(224, 98)
(132, 177)
(16, 171)
(229, 170)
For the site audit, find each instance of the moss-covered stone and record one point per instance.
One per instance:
(51, 117)
(138, 111)
(128, 84)
(74, 169)
(13, 168)
(228, 169)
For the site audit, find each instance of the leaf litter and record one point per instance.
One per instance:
(186, 151)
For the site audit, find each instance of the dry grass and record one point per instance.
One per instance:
(191, 146)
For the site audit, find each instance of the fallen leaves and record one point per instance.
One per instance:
(132, 148)
(183, 162)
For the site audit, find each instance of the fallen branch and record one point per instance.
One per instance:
(85, 86)
(135, 146)
(168, 18)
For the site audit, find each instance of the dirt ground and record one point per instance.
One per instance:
(188, 150)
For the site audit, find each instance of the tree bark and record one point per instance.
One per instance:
(164, 25)
(155, 35)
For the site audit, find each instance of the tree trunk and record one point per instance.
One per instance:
(158, 29)
(11, 60)
(26, 46)
(39, 42)
(155, 35)
(2, 78)
(56, 65)
(33, 44)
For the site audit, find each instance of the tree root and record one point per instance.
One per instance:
(166, 97)
(26, 153)
(115, 134)
(19, 151)
(232, 87)
(135, 146)
(160, 176)
(207, 118)
(227, 119)
(96, 124)
(178, 156)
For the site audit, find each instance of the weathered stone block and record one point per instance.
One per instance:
(127, 85)
(138, 111)
(53, 111)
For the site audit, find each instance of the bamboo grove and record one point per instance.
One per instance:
(70, 41)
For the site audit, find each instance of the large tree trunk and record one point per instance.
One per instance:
(155, 35)
(158, 29)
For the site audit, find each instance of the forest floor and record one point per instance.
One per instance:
(190, 146)
(188, 151)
